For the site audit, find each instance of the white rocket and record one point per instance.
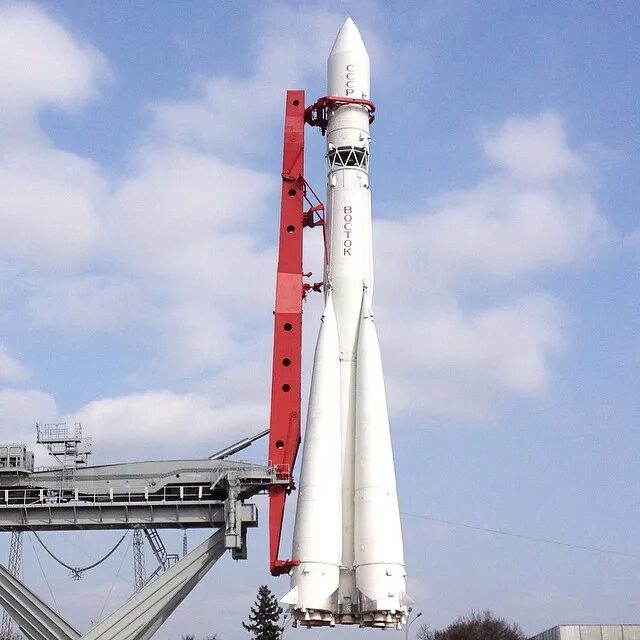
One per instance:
(347, 536)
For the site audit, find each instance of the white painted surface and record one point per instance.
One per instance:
(348, 406)
(379, 561)
(317, 537)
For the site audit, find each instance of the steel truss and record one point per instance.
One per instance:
(179, 494)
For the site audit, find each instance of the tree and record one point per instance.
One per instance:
(474, 626)
(264, 619)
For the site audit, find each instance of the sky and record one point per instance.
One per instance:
(139, 185)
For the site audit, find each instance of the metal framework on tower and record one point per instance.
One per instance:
(68, 447)
(139, 566)
(15, 568)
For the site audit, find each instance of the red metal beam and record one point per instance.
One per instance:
(284, 425)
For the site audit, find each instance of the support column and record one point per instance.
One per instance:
(137, 619)
(36, 619)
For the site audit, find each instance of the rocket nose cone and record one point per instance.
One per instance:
(348, 64)
(348, 39)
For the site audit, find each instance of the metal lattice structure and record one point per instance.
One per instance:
(67, 446)
(139, 568)
(15, 567)
(164, 558)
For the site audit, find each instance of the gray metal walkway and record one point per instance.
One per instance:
(167, 494)
(159, 495)
(73, 515)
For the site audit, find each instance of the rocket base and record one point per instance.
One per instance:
(375, 619)
(313, 618)
(383, 619)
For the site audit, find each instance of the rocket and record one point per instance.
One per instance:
(347, 542)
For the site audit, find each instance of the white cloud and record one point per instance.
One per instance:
(178, 244)
(171, 244)
(48, 209)
(183, 228)
(20, 409)
(469, 335)
(10, 369)
(42, 64)
(203, 337)
(87, 303)
(188, 214)
(164, 422)
(231, 113)
(534, 149)
(459, 363)
(498, 232)
(493, 234)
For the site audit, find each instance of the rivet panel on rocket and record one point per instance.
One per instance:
(347, 536)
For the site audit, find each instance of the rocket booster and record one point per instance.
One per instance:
(347, 537)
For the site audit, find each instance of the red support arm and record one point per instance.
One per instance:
(284, 425)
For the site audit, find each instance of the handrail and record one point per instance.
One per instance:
(36, 497)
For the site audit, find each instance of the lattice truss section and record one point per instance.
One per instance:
(348, 156)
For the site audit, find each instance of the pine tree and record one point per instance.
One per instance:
(264, 618)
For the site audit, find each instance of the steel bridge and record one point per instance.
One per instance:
(174, 494)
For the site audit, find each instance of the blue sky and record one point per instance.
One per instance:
(138, 206)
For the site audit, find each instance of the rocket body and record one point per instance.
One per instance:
(347, 535)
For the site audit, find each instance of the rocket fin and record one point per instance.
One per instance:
(291, 598)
